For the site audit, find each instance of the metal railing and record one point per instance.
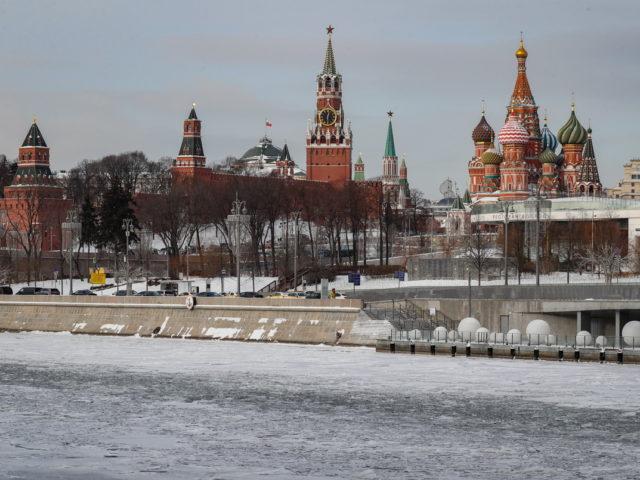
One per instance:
(625, 342)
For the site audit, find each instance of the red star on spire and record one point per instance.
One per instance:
(329, 30)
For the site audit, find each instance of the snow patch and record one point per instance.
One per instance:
(271, 333)
(164, 325)
(111, 328)
(314, 322)
(222, 332)
(229, 319)
(263, 320)
(278, 321)
(79, 326)
(257, 334)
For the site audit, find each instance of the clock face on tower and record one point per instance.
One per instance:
(328, 116)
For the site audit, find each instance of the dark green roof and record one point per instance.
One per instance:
(390, 147)
(264, 148)
(34, 138)
(192, 114)
(329, 62)
(467, 197)
(191, 146)
(285, 156)
(31, 172)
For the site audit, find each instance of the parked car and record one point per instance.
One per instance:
(84, 292)
(6, 290)
(295, 294)
(251, 295)
(28, 291)
(150, 293)
(48, 291)
(123, 293)
(167, 293)
(276, 295)
(208, 294)
(313, 295)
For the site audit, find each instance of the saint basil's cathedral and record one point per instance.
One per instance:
(526, 160)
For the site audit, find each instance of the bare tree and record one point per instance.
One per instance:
(478, 252)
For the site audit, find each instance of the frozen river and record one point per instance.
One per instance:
(89, 407)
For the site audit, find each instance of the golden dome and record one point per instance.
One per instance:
(521, 52)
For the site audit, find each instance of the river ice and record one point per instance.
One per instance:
(93, 407)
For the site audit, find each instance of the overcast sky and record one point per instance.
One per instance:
(108, 77)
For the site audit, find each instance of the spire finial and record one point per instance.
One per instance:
(35, 119)
(545, 116)
(329, 30)
(483, 105)
(573, 101)
(390, 113)
(193, 104)
(521, 39)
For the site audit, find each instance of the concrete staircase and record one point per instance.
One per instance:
(366, 330)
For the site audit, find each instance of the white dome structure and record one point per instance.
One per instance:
(631, 333)
(453, 336)
(584, 339)
(440, 334)
(467, 328)
(601, 341)
(514, 336)
(482, 335)
(538, 332)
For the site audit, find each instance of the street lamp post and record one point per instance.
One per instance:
(506, 207)
(537, 207)
(127, 226)
(146, 238)
(296, 217)
(71, 230)
(237, 218)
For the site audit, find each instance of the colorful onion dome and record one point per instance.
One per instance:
(549, 140)
(521, 52)
(572, 133)
(513, 132)
(491, 157)
(483, 133)
(547, 156)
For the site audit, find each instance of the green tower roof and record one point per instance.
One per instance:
(390, 147)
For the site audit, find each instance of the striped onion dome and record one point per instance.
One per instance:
(513, 132)
(491, 157)
(549, 140)
(547, 156)
(483, 132)
(572, 132)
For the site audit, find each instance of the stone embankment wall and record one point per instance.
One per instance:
(267, 320)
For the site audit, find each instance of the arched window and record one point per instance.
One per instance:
(327, 83)
(323, 140)
(333, 139)
(188, 127)
(337, 84)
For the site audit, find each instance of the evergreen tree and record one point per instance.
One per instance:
(89, 221)
(115, 207)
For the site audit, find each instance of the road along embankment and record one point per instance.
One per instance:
(250, 319)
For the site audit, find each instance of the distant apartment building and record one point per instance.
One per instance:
(629, 187)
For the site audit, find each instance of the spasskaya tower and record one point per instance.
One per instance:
(328, 135)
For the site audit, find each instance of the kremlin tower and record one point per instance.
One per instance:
(190, 162)
(390, 177)
(328, 138)
(34, 202)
